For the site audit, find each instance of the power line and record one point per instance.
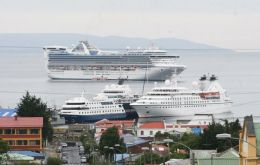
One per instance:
(215, 49)
(26, 47)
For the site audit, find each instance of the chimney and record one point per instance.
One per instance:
(15, 117)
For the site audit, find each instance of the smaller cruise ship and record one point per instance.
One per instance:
(170, 100)
(120, 94)
(81, 110)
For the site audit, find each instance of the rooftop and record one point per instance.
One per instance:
(153, 125)
(21, 122)
(114, 122)
(131, 140)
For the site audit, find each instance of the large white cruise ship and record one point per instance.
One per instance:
(85, 62)
(206, 97)
(81, 110)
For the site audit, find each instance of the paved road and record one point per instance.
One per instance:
(73, 155)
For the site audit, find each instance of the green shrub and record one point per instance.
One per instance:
(53, 161)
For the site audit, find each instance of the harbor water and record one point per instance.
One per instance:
(237, 72)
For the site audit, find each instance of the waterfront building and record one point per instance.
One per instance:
(22, 133)
(149, 129)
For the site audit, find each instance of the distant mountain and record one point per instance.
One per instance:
(40, 40)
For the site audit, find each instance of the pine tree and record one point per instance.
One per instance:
(30, 106)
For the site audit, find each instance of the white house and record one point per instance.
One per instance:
(149, 129)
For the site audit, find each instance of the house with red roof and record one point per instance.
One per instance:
(123, 126)
(22, 133)
(149, 129)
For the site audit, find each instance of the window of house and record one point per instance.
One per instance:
(11, 142)
(21, 142)
(1, 131)
(142, 132)
(34, 142)
(151, 132)
(21, 131)
(9, 131)
(34, 131)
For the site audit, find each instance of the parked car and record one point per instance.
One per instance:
(59, 149)
(81, 150)
(65, 154)
(64, 144)
(64, 159)
(83, 159)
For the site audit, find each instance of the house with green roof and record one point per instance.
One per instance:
(228, 157)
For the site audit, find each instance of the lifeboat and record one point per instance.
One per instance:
(210, 95)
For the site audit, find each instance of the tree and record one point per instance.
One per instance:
(30, 106)
(109, 138)
(209, 140)
(4, 148)
(160, 137)
(88, 142)
(53, 161)
(189, 139)
(150, 158)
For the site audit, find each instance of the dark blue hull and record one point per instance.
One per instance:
(92, 118)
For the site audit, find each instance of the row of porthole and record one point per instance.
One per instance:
(96, 112)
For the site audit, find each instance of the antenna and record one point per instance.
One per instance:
(83, 92)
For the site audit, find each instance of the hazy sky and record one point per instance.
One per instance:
(226, 23)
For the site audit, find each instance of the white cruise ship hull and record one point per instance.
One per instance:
(160, 111)
(153, 74)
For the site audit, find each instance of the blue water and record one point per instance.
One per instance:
(238, 73)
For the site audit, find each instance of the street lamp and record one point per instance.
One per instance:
(192, 153)
(228, 136)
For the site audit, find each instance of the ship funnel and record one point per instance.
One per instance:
(213, 78)
(203, 78)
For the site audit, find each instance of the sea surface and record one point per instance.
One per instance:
(238, 73)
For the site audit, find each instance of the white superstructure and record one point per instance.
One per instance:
(170, 100)
(80, 110)
(119, 93)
